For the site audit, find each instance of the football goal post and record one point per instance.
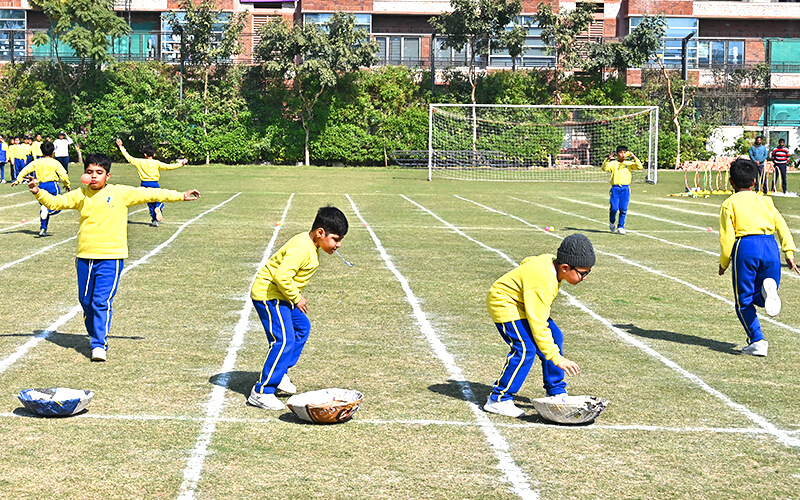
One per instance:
(538, 143)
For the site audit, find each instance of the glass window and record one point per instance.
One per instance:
(363, 21)
(736, 52)
(677, 28)
(534, 53)
(12, 25)
(171, 43)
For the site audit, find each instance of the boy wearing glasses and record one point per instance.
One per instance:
(519, 304)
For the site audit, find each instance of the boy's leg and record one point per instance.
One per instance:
(64, 162)
(152, 206)
(519, 338)
(53, 188)
(782, 170)
(624, 200)
(3, 172)
(302, 328)
(553, 376)
(613, 195)
(98, 280)
(277, 319)
(754, 258)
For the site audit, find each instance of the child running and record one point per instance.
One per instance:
(620, 166)
(519, 304)
(48, 172)
(277, 295)
(747, 222)
(102, 238)
(148, 169)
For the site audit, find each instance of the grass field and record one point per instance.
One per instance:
(652, 327)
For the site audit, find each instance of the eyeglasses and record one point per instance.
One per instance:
(583, 274)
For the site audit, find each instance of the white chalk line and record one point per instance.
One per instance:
(512, 473)
(216, 402)
(668, 221)
(755, 431)
(45, 249)
(14, 194)
(7, 362)
(781, 435)
(783, 271)
(18, 205)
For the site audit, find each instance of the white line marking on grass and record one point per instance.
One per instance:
(14, 194)
(7, 362)
(780, 435)
(216, 403)
(512, 473)
(9, 228)
(783, 271)
(426, 422)
(683, 210)
(669, 221)
(49, 247)
(18, 205)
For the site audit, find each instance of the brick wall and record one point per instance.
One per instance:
(754, 28)
(337, 5)
(400, 24)
(668, 7)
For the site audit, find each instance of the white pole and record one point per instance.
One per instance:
(430, 142)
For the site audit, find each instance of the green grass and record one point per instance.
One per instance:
(663, 435)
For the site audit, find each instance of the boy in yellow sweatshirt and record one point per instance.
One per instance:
(747, 223)
(519, 304)
(620, 166)
(102, 238)
(148, 169)
(48, 172)
(277, 295)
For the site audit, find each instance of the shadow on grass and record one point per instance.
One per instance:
(22, 231)
(24, 412)
(681, 338)
(138, 223)
(77, 341)
(236, 381)
(585, 230)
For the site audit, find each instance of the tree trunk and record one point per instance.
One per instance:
(678, 140)
(205, 115)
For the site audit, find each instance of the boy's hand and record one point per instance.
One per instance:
(792, 265)
(722, 269)
(570, 367)
(302, 304)
(32, 184)
(14, 183)
(119, 143)
(191, 195)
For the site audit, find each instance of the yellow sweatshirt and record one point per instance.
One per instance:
(288, 271)
(103, 230)
(24, 150)
(527, 292)
(36, 148)
(147, 167)
(621, 172)
(12, 152)
(47, 169)
(746, 213)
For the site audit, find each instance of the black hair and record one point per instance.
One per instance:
(781, 140)
(620, 149)
(47, 148)
(149, 150)
(98, 159)
(743, 173)
(332, 220)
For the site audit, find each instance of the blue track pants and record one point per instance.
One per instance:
(517, 334)
(620, 198)
(152, 206)
(287, 329)
(753, 259)
(54, 188)
(98, 280)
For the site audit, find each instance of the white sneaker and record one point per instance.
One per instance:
(159, 215)
(265, 401)
(98, 354)
(286, 385)
(757, 348)
(506, 408)
(612, 227)
(772, 302)
(620, 230)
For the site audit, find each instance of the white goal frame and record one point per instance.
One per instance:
(496, 165)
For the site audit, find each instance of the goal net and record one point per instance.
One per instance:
(538, 143)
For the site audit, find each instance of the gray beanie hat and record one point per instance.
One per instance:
(576, 251)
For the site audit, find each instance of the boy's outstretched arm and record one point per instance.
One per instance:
(570, 367)
(191, 195)
(33, 186)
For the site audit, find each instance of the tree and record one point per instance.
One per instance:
(313, 59)
(635, 49)
(513, 40)
(478, 26)
(87, 26)
(560, 33)
(203, 44)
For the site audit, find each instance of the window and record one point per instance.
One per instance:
(363, 21)
(399, 50)
(533, 55)
(12, 25)
(171, 43)
(677, 29)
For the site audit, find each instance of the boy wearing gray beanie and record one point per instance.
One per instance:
(519, 304)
